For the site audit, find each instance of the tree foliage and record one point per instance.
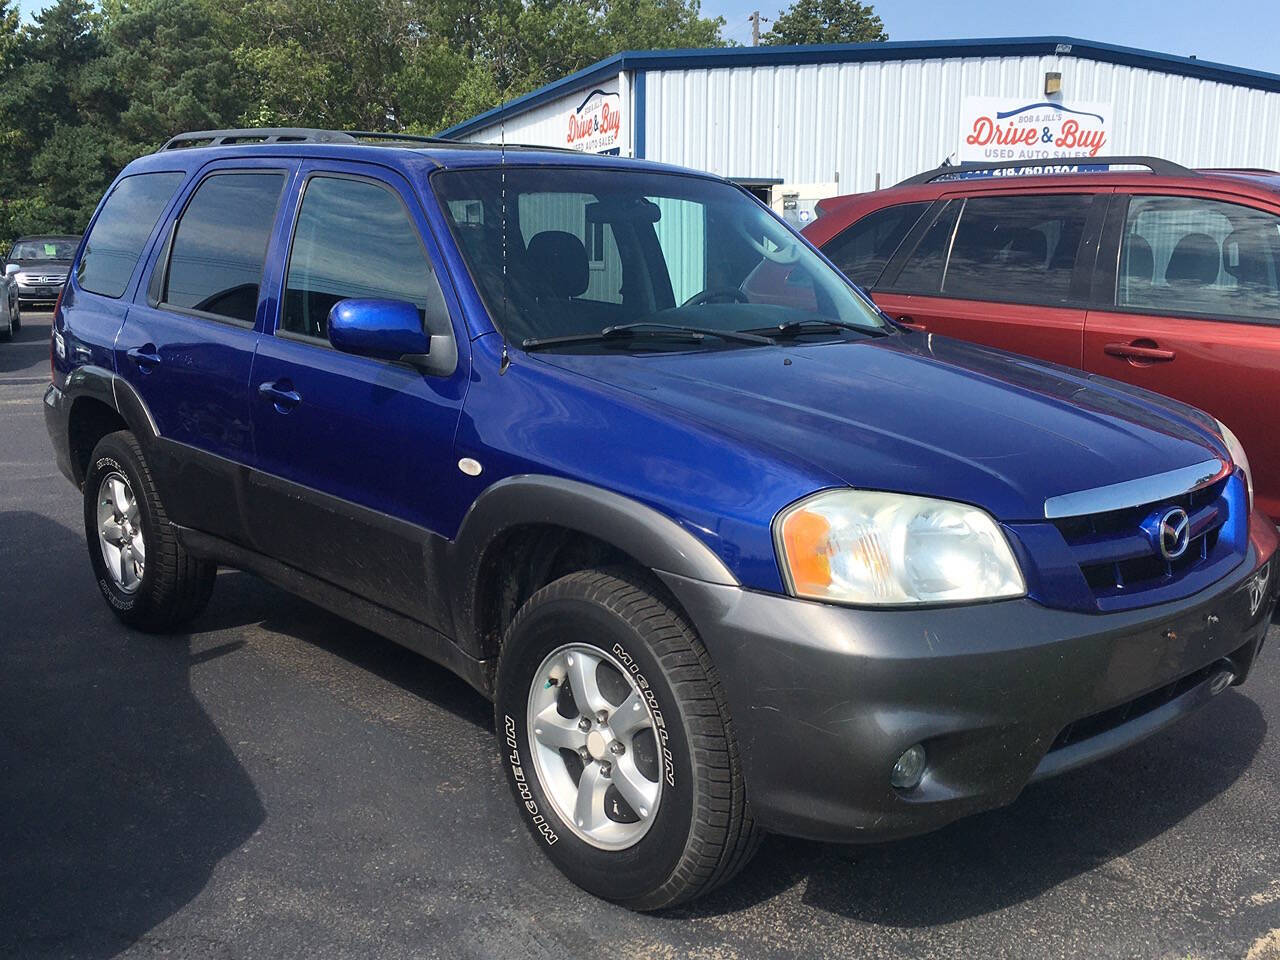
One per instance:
(85, 87)
(826, 21)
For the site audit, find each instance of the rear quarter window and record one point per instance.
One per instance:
(862, 249)
(115, 243)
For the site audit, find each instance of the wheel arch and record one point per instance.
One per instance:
(97, 403)
(527, 530)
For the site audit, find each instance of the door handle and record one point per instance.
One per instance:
(1138, 351)
(911, 324)
(281, 394)
(145, 357)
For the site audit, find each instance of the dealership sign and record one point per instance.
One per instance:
(595, 125)
(1001, 128)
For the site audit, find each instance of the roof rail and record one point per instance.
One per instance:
(222, 138)
(1154, 164)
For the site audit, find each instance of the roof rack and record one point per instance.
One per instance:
(1154, 164)
(243, 135)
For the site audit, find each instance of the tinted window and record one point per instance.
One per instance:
(354, 239)
(1016, 248)
(118, 235)
(221, 243)
(862, 250)
(1189, 255)
(922, 273)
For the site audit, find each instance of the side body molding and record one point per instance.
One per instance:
(653, 539)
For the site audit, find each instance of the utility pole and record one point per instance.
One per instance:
(756, 20)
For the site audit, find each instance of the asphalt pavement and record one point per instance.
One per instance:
(278, 783)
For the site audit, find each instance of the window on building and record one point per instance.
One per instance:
(1199, 256)
(220, 244)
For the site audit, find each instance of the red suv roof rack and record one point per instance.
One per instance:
(1155, 164)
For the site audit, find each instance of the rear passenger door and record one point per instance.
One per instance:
(1007, 270)
(187, 346)
(355, 462)
(1190, 287)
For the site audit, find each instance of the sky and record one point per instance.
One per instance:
(1244, 33)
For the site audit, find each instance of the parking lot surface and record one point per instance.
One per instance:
(278, 783)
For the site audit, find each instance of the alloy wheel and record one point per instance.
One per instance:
(124, 548)
(594, 745)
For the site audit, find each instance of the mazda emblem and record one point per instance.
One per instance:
(1173, 533)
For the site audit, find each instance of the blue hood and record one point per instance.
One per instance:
(917, 413)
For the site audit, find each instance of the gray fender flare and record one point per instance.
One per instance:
(652, 538)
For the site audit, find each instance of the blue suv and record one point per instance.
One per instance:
(730, 551)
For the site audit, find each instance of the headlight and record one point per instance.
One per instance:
(1238, 457)
(864, 547)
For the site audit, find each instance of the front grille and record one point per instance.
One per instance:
(44, 281)
(1119, 558)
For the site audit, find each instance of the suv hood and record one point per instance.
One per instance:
(922, 414)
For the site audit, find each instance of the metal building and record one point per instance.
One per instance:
(800, 123)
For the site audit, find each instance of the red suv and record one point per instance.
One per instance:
(1163, 277)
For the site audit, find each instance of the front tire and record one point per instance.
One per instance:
(144, 573)
(649, 809)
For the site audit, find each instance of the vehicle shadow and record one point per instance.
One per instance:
(119, 794)
(1057, 829)
(241, 599)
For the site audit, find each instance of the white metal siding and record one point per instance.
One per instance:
(850, 121)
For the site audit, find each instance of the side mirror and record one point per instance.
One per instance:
(390, 330)
(10, 269)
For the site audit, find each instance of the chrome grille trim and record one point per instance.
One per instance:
(1135, 493)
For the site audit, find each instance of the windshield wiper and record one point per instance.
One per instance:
(814, 325)
(649, 330)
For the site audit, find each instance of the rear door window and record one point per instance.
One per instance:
(115, 243)
(1193, 255)
(1016, 248)
(354, 239)
(862, 249)
(220, 245)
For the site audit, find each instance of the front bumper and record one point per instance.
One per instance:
(39, 293)
(824, 698)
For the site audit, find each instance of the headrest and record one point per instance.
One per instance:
(1196, 259)
(1028, 246)
(558, 260)
(1140, 263)
(1246, 253)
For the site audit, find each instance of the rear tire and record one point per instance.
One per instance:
(700, 831)
(144, 573)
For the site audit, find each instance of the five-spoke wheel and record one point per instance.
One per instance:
(124, 548)
(594, 746)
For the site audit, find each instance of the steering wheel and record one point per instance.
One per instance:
(712, 294)
(782, 254)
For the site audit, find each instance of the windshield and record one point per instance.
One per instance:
(44, 250)
(587, 251)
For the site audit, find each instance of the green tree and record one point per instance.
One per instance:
(826, 21)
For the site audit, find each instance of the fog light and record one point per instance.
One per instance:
(909, 770)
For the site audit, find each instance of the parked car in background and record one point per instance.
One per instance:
(39, 266)
(1160, 276)
(724, 564)
(10, 309)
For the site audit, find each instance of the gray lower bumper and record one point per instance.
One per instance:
(824, 698)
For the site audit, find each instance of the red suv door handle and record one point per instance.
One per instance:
(912, 324)
(1138, 351)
